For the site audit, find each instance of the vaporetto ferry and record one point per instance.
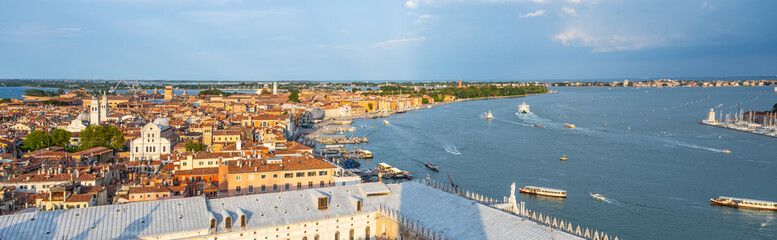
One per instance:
(744, 203)
(550, 192)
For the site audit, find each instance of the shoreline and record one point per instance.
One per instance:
(738, 130)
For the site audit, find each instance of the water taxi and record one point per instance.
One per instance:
(524, 108)
(366, 153)
(488, 115)
(385, 122)
(597, 196)
(744, 203)
(725, 151)
(432, 166)
(550, 192)
(539, 125)
(564, 157)
(569, 125)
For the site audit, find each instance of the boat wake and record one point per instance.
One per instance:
(450, 148)
(682, 144)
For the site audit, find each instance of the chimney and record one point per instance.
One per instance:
(239, 145)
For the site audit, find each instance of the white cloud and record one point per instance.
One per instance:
(707, 6)
(575, 1)
(412, 4)
(396, 42)
(423, 18)
(569, 11)
(31, 30)
(613, 42)
(532, 14)
(346, 32)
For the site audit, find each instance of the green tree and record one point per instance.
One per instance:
(37, 139)
(369, 106)
(5, 100)
(774, 108)
(294, 97)
(192, 146)
(424, 100)
(60, 137)
(101, 136)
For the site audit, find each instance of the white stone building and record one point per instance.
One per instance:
(155, 139)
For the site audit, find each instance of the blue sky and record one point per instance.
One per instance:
(386, 40)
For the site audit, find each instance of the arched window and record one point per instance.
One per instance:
(316, 237)
(367, 233)
(212, 223)
(228, 223)
(337, 235)
(242, 221)
(304, 238)
(350, 235)
(359, 205)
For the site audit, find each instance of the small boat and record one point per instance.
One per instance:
(457, 153)
(488, 115)
(597, 196)
(605, 124)
(564, 157)
(550, 192)
(539, 125)
(569, 125)
(725, 151)
(385, 122)
(432, 166)
(744, 203)
(524, 108)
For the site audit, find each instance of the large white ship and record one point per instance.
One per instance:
(544, 191)
(524, 108)
(744, 203)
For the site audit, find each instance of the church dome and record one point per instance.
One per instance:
(82, 117)
(162, 122)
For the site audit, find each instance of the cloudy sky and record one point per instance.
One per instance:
(387, 40)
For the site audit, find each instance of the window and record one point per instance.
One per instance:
(299, 185)
(311, 174)
(367, 233)
(287, 187)
(359, 206)
(242, 221)
(310, 184)
(337, 235)
(183, 163)
(275, 187)
(250, 188)
(300, 174)
(350, 235)
(238, 190)
(264, 176)
(288, 175)
(212, 223)
(321, 184)
(201, 163)
(228, 223)
(264, 188)
(322, 173)
(275, 175)
(238, 178)
(323, 203)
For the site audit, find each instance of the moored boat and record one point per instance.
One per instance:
(744, 203)
(432, 166)
(569, 125)
(597, 196)
(550, 192)
(564, 157)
